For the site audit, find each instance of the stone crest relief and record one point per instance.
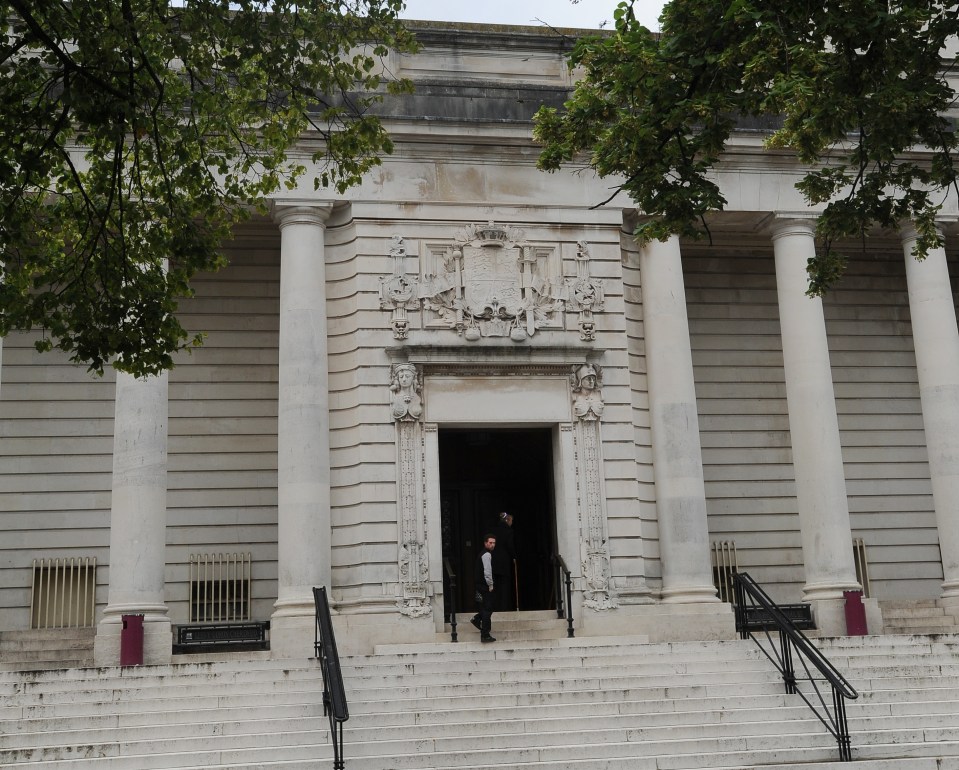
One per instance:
(491, 282)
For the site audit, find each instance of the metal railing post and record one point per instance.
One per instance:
(558, 592)
(451, 576)
(794, 645)
(789, 672)
(564, 593)
(334, 694)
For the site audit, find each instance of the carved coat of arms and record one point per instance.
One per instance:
(492, 283)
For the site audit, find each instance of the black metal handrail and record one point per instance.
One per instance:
(792, 640)
(564, 600)
(451, 578)
(334, 696)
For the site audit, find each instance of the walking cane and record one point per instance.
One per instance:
(516, 583)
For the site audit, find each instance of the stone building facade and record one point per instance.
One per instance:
(463, 334)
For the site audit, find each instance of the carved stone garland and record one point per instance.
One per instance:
(399, 292)
(585, 294)
(588, 408)
(407, 407)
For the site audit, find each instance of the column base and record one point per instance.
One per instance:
(293, 627)
(703, 594)
(950, 591)
(661, 622)
(829, 616)
(292, 636)
(157, 639)
(950, 604)
(814, 592)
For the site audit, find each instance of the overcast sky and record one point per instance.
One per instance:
(587, 14)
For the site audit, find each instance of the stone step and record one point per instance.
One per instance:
(912, 612)
(363, 679)
(31, 634)
(48, 665)
(744, 751)
(47, 649)
(628, 763)
(942, 622)
(559, 703)
(655, 726)
(15, 648)
(369, 685)
(71, 649)
(907, 603)
(459, 658)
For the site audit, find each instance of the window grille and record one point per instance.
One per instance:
(862, 566)
(63, 592)
(220, 587)
(725, 564)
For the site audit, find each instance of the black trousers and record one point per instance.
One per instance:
(504, 591)
(485, 609)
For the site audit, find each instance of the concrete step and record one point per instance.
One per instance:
(13, 648)
(690, 725)
(913, 612)
(945, 623)
(46, 649)
(600, 704)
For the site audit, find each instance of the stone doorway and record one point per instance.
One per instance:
(482, 472)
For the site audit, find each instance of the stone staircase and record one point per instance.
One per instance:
(565, 704)
(521, 626)
(46, 649)
(916, 617)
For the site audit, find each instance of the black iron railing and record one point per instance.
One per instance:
(334, 696)
(451, 596)
(794, 645)
(563, 590)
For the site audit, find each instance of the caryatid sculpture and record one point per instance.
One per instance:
(406, 404)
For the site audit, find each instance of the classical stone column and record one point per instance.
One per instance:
(138, 521)
(814, 427)
(677, 455)
(936, 342)
(303, 429)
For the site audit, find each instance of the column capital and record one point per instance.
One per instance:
(908, 232)
(784, 223)
(301, 213)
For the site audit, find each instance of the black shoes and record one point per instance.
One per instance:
(475, 620)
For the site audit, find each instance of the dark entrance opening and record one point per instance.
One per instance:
(483, 472)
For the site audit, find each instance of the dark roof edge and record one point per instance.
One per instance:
(456, 33)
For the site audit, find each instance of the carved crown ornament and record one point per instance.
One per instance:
(491, 282)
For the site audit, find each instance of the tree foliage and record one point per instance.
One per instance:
(856, 89)
(135, 133)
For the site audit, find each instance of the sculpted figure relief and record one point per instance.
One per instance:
(405, 386)
(588, 401)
